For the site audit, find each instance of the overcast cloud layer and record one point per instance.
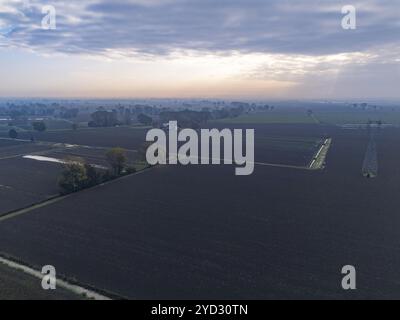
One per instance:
(282, 43)
(161, 26)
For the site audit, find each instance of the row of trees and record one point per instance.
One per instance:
(194, 119)
(78, 175)
(39, 126)
(186, 118)
(104, 118)
(156, 116)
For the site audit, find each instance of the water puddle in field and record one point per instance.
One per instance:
(54, 160)
(45, 159)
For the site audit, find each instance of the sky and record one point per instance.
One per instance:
(253, 49)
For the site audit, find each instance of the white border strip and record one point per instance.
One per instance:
(89, 294)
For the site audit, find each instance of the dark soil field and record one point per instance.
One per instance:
(202, 232)
(24, 182)
(273, 143)
(295, 151)
(283, 143)
(126, 137)
(20, 149)
(4, 143)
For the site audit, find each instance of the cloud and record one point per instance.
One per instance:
(294, 47)
(159, 27)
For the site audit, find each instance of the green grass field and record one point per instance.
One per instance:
(276, 116)
(348, 116)
(339, 116)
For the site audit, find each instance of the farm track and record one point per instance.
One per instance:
(74, 288)
(319, 159)
(18, 212)
(277, 165)
(282, 166)
(63, 145)
(370, 163)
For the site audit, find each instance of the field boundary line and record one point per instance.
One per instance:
(277, 165)
(49, 201)
(317, 121)
(65, 284)
(63, 145)
(20, 211)
(221, 160)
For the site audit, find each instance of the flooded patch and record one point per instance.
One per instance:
(45, 159)
(55, 160)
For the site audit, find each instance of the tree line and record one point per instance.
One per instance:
(78, 175)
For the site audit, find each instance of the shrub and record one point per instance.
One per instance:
(13, 134)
